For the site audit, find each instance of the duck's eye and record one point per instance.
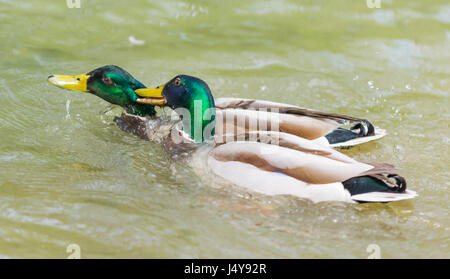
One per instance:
(78, 79)
(177, 82)
(107, 80)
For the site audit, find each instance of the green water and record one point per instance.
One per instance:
(69, 175)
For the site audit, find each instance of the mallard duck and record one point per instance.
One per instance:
(116, 86)
(292, 160)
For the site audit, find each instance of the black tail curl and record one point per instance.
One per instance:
(400, 183)
(361, 129)
(375, 183)
(365, 128)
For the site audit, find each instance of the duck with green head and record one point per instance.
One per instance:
(111, 83)
(292, 160)
(191, 98)
(116, 86)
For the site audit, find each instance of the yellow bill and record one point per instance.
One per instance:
(152, 96)
(78, 83)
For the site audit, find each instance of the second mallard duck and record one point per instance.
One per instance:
(291, 160)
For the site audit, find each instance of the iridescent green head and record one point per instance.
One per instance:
(191, 98)
(111, 83)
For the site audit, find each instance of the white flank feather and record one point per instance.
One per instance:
(272, 183)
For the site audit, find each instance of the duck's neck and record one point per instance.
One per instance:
(136, 108)
(200, 122)
(141, 110)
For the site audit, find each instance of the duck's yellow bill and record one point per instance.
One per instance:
(78, 83)
(152, 96)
